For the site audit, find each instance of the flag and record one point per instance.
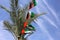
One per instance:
(23, 31)
(25, 24)
(26, 31)
(27, 16)
(32, 4)
(32, 15)
(30, 27)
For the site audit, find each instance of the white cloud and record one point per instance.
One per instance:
(44, 29)
(51, 9)
(1, 25)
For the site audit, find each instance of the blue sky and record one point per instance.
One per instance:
(47, 26)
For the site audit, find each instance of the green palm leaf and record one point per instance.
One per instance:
(7, 10)
(7, 25)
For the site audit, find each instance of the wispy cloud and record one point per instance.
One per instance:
(44, 29)
(1, 25)
(50, 21)
(52, 11)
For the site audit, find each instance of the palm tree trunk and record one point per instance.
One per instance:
(21, 38)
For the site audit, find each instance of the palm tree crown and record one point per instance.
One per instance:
(21, 19)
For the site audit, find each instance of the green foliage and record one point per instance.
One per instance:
(7, 10)
(7, 25)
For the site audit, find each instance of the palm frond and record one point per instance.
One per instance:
(24, 12)
(36, 15)
(7, 25)
(13, 16)
(5, 8)
(12, 4)
(15, 30)
(11, 28)
(16, 3)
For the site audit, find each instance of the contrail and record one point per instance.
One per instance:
(38, 5)
(53, 12)
(50, 21)
(43, 29)
(45, 17)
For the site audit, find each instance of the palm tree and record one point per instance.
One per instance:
(18, 17)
